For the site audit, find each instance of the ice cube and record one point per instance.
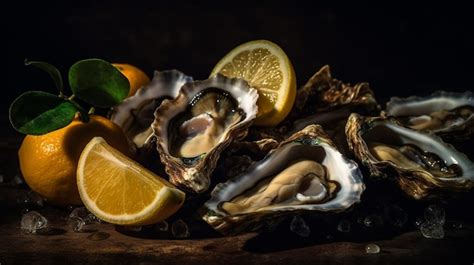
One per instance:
(432, 230)
(179, 229)
(81, 220)
(435, 214)
(33, 223)
(299, 227)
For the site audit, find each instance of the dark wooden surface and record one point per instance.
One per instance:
(63, 246)
(75, 248)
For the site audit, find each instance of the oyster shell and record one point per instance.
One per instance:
(323, 94)
(195, 127)
(304, 173)
(448, 114)
(136, 113)
(421, 163)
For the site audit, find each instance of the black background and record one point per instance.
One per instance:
(400, 49)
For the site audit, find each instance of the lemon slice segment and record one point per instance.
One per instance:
(266, 67)
(118, 190)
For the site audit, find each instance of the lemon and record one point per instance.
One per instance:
(118, 190)
(266, 67)
(135, 76)
(48, 162)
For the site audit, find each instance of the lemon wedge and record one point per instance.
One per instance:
(118, 190)
(266, 67)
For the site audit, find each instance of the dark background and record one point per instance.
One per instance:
(399, 49)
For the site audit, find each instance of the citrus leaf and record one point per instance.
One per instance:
(98, 83)
(52, 71)
(38, 112)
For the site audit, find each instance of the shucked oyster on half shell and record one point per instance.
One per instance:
(195, 127)
(136, 113)
(304, 173)
(448, 114)
(421, 163)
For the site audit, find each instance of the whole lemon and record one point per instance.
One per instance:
(48, 162)
(135, 76)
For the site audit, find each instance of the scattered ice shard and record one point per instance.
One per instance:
(179, 229)
(435, 214)
(33, 223)
(299, 227)
(344, 226)
(432, 230)
(162, 226)
(373, 220)
(81, 220)
(372, 249)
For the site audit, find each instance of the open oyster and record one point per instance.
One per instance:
(421, 163)
(135, 114)
(304, 173)
(444, 113)
(195, 127)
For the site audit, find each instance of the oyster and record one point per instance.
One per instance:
(421, 163)
(304, 173)
(322, 94)
(195, 127)
(135, 114)
(444, 113)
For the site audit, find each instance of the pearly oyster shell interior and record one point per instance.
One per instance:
(195, 127)
(305, 173)
(444, 113)
(421, 163)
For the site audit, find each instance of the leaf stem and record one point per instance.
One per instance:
(82, 111)
(91, 111)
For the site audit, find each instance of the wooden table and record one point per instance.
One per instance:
(67, 247)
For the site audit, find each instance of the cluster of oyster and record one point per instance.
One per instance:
(303, 165)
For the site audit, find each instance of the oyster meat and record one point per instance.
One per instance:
(304, 173)
(422, 163)
(136, 113)
(444, 113)
(195, 127)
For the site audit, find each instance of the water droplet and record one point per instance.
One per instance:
(33, 223)
(299, 227)
(344, 226)
(98, 236)
(179, 229)
(372, 249)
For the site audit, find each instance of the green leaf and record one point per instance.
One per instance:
(98, 83)
(52, 71)
(37, 112)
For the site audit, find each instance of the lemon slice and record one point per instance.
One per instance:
(118, 190)
(266, 67)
